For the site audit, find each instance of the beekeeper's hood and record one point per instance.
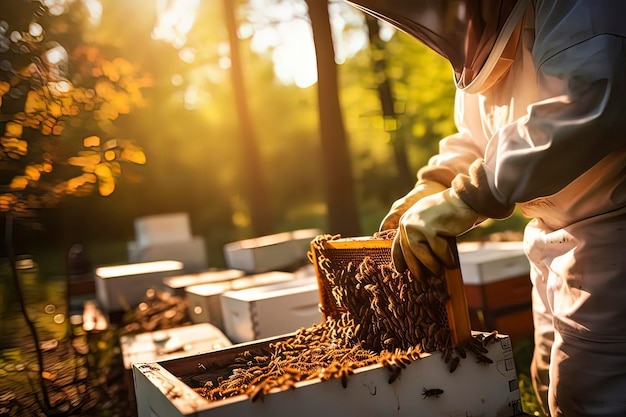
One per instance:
(478, 37)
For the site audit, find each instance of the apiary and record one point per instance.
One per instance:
(387, 343)
(270, 310)
(281, 251)
(204, 301)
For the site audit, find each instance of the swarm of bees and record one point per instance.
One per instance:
(378, 316)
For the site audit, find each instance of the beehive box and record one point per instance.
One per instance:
(270, 310)
(204, 301)
(122, 287)
(425, 387)
(171, 343)
(178, 283)
(486, 263)
(498, 287)
(162, 228)
(191, 252)
(280, 251)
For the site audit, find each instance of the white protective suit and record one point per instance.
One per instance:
(550, 137)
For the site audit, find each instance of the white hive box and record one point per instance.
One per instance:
(272, 252)
(191, 252)
(123, 287)
(167, 236)
(204, 300)
(172, 343)
(474, 389)
(484, 263)
(162, 228)
(270, 310)
(178, 283)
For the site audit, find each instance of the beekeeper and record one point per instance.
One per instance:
(541, 117)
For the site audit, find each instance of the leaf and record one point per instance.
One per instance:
(91, 141)
(6, 200)
(106, 182)
(15, 146)
(134, 155)
(77, 182)
(109, 155)
(32, 173)
(52, 126)
(86, 161)
(105, 89)
(34, 103)
(19, 182)
(13, 130)
(4, 87)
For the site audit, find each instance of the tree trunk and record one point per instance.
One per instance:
(406, 178)
(255, 191)
(343, 216)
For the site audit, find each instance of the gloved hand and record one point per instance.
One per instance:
(422, 189)
(425, 230)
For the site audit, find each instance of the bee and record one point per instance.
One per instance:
(454, 363)
(490, 338)
(395, 373)
(432, 392)
(483, 359)
(461, 351)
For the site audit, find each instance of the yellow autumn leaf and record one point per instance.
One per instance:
(133, 155)
(124, 66)
(14, 145)
(55, 109)
(110, 70)
(4, 87)
(6, 201)
(106, 182)
(107, 112)
(85, 161)
(19, 182)
(121, 103)
(77, 182)
(13, 130)
(109, 155)
(105, 89)
(34, 103)
(91, 141)
(58, 128)
(51, 126)
(32, 173)
(111, 144)
(116, 168)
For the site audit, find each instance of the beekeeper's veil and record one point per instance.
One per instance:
(478, 37)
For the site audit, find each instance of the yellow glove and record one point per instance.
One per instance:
(424, 232)
(422, 189)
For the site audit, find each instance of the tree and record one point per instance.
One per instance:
(343, 216)
(260, 214)
(406, 178)
(57, 130)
